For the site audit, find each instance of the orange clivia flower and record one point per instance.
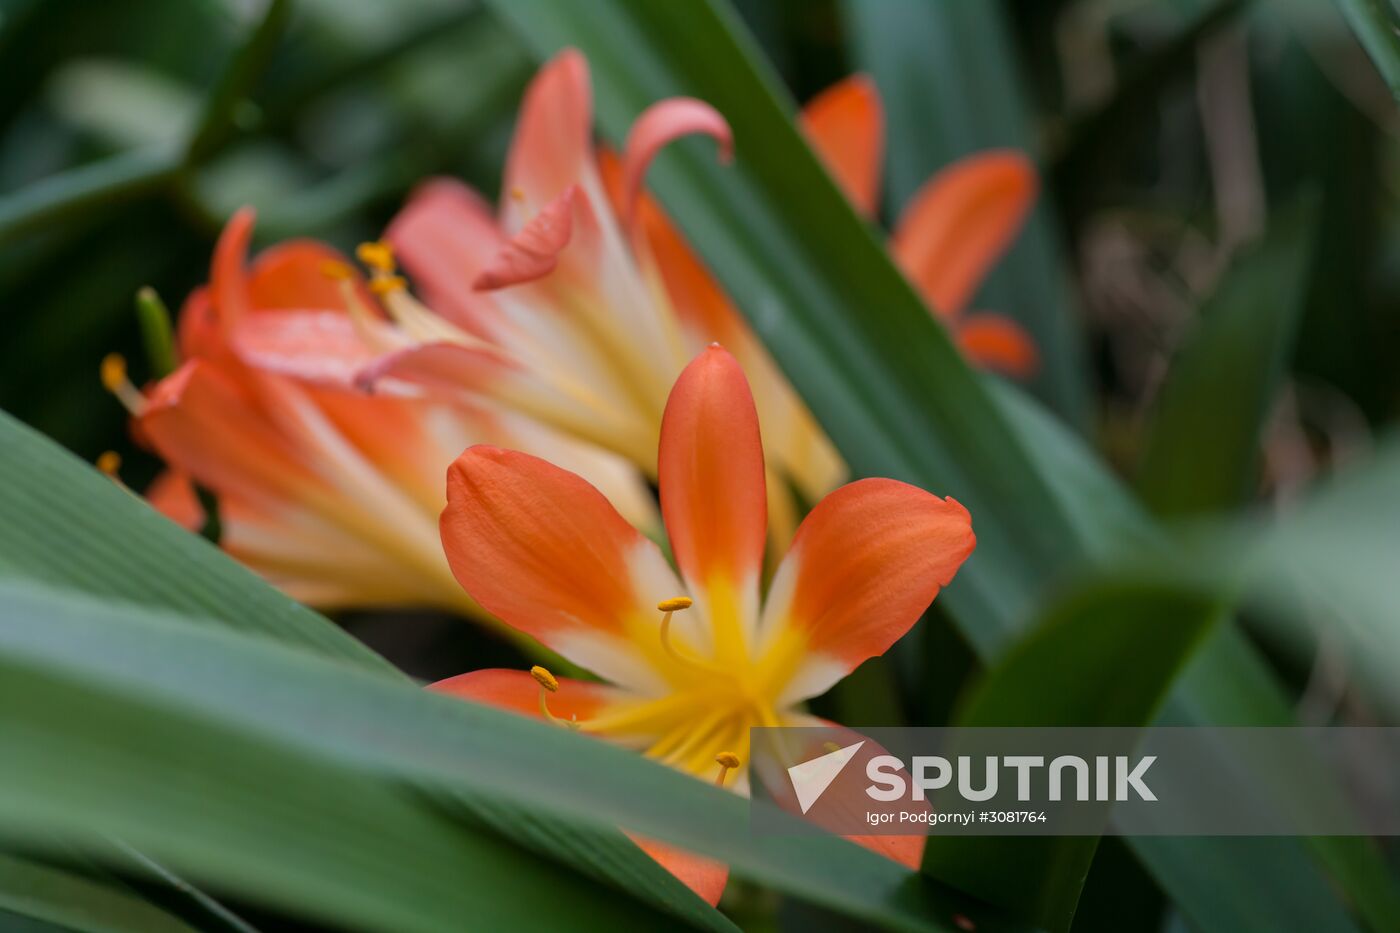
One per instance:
(574, 301)
(328, 493)
(694, 661)
(953, 230)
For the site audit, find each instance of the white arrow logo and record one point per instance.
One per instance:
(811, 778)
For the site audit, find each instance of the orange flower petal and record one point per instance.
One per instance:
(846, 126)
(552, 142)
(534, 251)
(318, 346)
(444, 237)
(228, 275)
(292, 275)
(197, 330)
(203, 422)
(999, 343)
(864, 565)
(704, 876)
(172, 494)
(548, 554)
(660, 124)
(960, 222)
(713, 497)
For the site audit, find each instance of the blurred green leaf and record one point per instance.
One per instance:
(1377, 26)
(72, 901)
(307, 783)
(125, 105)
(1072, 669)
(220, 116)
(879, 374)
(129, 552)
(79, 190)
(1202, 447)
(91, 754)
(951, 86)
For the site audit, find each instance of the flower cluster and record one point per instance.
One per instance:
(578, 351)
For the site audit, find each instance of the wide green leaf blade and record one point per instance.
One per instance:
(290, 829)
(69, 900)
(68, 526)
(1202, 448)
(301, 780)
(951, 86)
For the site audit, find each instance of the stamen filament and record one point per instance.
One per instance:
(115, 380)
(667, 607)
(548, 684)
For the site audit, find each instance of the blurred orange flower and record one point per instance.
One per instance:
(695, 661)
(331, 495)
(954, 229)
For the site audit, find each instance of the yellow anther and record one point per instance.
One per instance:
(114, 380)
(114, 372)
(335, 269)
(384, 284)
(727, 761)
(378, 255)
(517, 194)
(544, 678)
(110, 463)
(675, 604)
(548, 684)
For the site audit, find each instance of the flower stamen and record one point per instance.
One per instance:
(115, 380)
(549, 684)
(727, 761)
(667, 607)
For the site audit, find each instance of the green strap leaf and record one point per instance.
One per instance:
(1202, 448)
(69, 900)
(312, 785)
(68, 526)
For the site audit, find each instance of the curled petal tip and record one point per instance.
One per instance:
(661, 124)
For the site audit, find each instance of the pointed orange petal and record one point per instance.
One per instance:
(864, 565)
(846, 126)
(960, 222)
(552, 142)
(228, 274)
(999, 343)
(547, 553)
(534, 251)
(710, 469)
(659, 125)
(444, 237)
